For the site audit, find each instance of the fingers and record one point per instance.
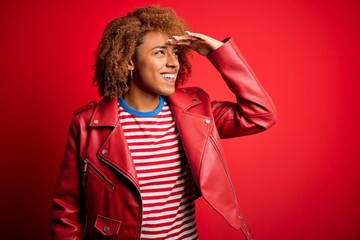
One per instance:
(196, 35)
(196, 41)
(208, 42)
(181, 40)
(187, 39)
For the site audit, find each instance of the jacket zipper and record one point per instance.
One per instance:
(141, 207)
(88, 165)
(212, 141)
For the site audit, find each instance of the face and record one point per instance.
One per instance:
(155, 67)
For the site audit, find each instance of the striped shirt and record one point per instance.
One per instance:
(166, 184)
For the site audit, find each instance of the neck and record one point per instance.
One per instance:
(141, 102)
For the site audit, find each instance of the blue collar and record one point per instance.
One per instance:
(142, 114)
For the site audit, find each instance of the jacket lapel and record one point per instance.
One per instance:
(114, 151)
(194, 128)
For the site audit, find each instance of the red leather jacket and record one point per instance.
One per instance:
(97, 193)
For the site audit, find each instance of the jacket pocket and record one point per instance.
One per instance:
(90, 167)
(107, 226)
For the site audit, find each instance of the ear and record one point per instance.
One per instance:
(130, 66)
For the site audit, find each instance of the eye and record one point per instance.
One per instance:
(160, 52)
(176, 52)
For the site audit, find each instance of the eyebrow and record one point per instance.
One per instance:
(165, 47)
(161, 46)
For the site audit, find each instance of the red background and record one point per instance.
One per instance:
(299, 180)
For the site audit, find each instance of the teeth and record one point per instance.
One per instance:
(168, 75)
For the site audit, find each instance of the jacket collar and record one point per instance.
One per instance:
(106, 113)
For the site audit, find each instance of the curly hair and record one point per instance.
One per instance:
(120, 40)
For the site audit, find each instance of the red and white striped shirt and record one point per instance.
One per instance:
(166, 184)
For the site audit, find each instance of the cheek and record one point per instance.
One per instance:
(149, 68)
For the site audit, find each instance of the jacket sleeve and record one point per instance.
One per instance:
(254, 110)
(66, 219)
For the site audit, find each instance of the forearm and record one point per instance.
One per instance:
(254, 110)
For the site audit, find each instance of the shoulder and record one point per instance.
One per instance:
(186, 97)
(195, 92)
(83, 114)
(81, 117)
(86, 107)
(191, 91)
(103, 112)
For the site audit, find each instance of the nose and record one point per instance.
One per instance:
(172, 60)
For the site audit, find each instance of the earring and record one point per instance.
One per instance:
(131, 74)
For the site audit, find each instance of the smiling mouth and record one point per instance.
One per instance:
(169, 76)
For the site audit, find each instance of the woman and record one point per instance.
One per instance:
(136, 160)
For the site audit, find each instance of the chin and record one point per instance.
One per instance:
(168, 92)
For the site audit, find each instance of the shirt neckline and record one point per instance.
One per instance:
(137, 113)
